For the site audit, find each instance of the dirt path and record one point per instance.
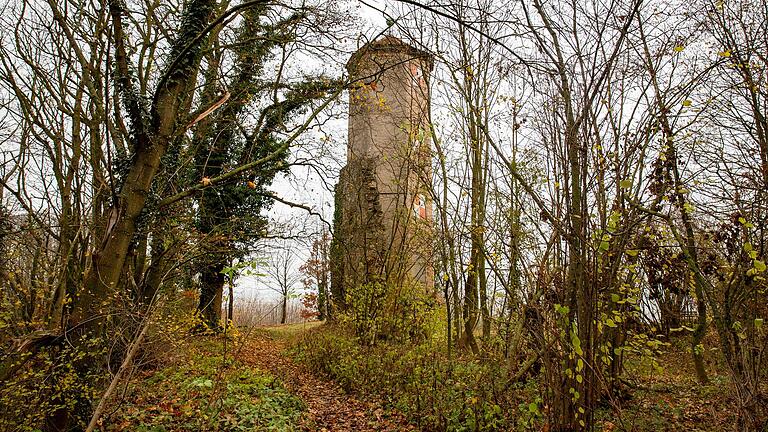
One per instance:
(329, 408)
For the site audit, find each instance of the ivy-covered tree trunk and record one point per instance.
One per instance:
(228, 211)
(150, 144)
(211, 289)
(151, 135)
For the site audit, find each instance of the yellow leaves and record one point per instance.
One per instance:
(747, 225)
(759, 265)
(626, 184)
(381, 101)
(205, 181)
(687, 103)
(251, 185)
(495, 257)
(679, 48)
(470, 74)
(577, 349)
(533, 407)
(724, 54)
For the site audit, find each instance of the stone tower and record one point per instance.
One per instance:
(383, 220)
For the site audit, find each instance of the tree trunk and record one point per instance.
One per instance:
(211, 288)
(150, 146)
(484, 307)
(699, 331)
(322, 298)
(284, 309)
(231, 304)
(153, 276)
(467, 339)
(457, 314)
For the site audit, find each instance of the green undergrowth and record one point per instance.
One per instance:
(470, 394)
(666, 396)
(202, 389)
(434, 392)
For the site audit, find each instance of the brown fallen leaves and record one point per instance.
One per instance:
(329, 408)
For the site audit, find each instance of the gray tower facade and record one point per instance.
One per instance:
(383, 221)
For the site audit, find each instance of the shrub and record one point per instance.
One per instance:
(382, 311)
(435, 392)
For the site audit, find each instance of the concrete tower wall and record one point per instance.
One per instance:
(384, 230)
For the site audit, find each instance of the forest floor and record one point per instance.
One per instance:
(249, 381)
(328, 407)
(246, 382)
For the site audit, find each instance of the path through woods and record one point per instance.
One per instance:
(329, 408)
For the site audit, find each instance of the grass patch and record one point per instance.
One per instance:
(202, 389)
(289, 331)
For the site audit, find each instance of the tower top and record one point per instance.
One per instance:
(388, 45)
